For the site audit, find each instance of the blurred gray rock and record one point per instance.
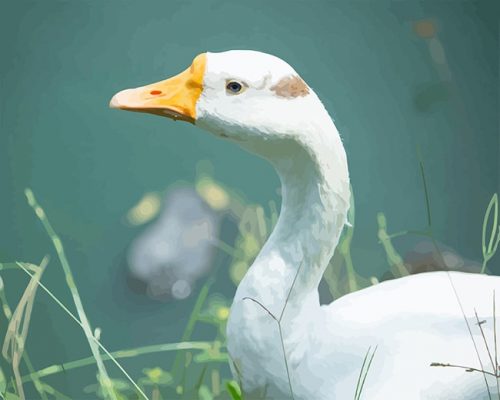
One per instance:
(176, 249)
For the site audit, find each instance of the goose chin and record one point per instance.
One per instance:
(162, 112)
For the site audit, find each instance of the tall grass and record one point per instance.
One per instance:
(197, 370)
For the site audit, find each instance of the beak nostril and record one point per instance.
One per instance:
(155, 92)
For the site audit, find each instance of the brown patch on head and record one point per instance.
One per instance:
(291, 87)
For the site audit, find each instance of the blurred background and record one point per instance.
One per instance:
(149, 209)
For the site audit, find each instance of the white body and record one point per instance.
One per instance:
(414, 321)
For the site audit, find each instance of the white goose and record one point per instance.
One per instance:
(260, 102)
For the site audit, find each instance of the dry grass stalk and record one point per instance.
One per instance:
(17, 330)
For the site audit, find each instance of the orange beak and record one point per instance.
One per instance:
(174, 98)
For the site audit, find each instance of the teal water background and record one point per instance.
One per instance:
(388, 89)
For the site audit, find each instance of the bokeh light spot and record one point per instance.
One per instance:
(223, 313)
(215, 196)
(145, 210)
(425, 28)
(237, 271)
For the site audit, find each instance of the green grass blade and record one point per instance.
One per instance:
(366, 372)
(490, 246)
(363, 373)
(234, 390)
(120, 354)
(356, 393)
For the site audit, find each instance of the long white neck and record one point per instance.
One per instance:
(315, 192)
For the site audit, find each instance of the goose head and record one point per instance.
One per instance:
(254, 99)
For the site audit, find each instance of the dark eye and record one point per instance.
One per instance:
(234, 87)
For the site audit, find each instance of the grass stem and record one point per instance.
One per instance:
(119, 354)
(105, 381)
(193, 318)
(363, 373)
(395, 261)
